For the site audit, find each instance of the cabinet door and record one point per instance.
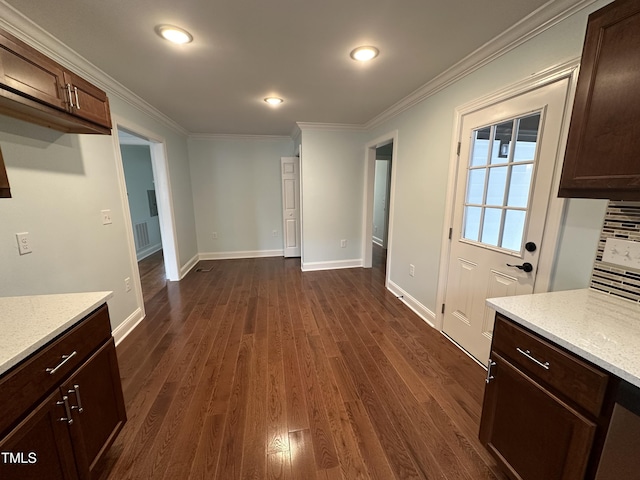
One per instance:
(30, 74)
(603, 147)
(531, 433)
(40, 446)
(95, 396)
(88, 101)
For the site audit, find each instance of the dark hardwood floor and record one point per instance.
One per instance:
(255, 370)
(152, 275)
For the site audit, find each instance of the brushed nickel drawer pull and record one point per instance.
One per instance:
(76, 390)
(65, 402)
(65, 359)
(70, 95)
(527, 354)
(489, 376)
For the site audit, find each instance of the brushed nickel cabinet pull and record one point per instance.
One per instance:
(70, 95)
(65, 359)
(76, 391)
(75, 89)
(489, 376)
(65, 402)
(527, 354)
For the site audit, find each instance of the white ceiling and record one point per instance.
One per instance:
(245, 50)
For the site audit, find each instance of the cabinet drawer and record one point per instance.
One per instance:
(22, 387)
(573, 378)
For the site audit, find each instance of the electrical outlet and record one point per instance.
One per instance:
(24, 246)
(274, 233)
(343, 243)
(127, 284)
(412, 270)
(106, 217)
(215, 235)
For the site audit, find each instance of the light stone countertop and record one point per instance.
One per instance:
(596, 326)
(30, 322)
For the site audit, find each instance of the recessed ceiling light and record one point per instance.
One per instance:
(363, 54)
(273, 100)
(174, 34)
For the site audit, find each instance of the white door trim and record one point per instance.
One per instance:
(556, 205)
(164, 198)
(369, 186)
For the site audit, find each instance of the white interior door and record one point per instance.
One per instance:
(290, 169)
(505, 172)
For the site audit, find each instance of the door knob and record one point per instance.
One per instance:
(526, 266)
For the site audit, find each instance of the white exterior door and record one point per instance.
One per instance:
(505, 171)
(290, 169)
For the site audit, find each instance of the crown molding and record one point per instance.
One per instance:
(33, 35)
(333, 127)
(542, 19)
(231, 136)
(295, 132)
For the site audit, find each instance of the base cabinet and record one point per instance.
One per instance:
(545, 411)
(532, 433)
(40, 447)
(65, 435)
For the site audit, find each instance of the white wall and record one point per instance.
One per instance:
(59, 184)
(332, 182)
(237, 193)
(380, 201)
(136, 160)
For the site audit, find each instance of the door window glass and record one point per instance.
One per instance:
(499, 180)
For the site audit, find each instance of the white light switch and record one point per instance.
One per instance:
(106, 217)
(625, 253)
(23, 243)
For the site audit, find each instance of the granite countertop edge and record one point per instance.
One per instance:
(598, 327)
(29, 322)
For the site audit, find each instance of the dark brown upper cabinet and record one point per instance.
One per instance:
(36, 89)
(602, 159)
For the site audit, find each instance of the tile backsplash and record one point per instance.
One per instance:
(621, 222)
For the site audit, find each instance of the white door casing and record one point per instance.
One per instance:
(477, 265)
(290, 170)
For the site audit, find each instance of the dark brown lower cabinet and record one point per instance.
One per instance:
(40, 447)
(65, 435)
(546, 410)
(531, 432)
(95, 396)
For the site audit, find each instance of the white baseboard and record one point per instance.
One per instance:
(126, 327)
(423, 312)
(150, 250)
(186, 268)
(236, 255)
(314, 266)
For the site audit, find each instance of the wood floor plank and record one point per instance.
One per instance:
(230, 463)
(254, 369)
(278, 466)
(322, 439)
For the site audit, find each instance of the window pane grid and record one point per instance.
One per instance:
(502, 158)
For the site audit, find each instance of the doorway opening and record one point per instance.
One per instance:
(380, 168)
(147, 196)
(381, 193)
